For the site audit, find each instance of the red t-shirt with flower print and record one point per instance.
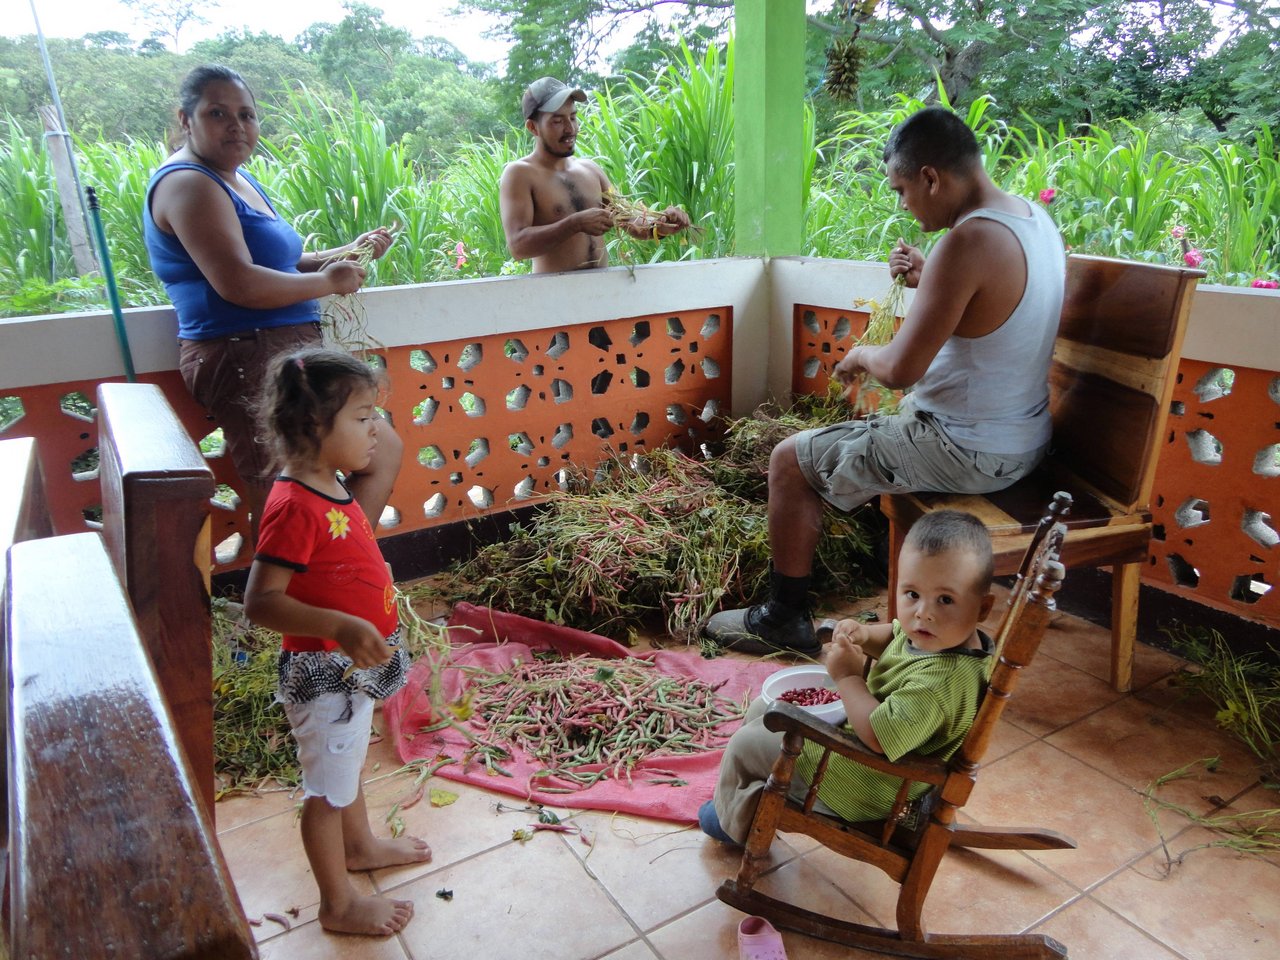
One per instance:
(330, 547)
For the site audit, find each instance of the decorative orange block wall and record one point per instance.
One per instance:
(1217, 496)
(493, 421)
(488, 422)
(822, 337)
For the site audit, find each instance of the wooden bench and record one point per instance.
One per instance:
(111, 854)
(156, 489)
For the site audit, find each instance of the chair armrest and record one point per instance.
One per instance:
(785, 717)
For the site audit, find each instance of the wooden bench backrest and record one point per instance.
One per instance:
(156, 490)
(1114, 365)
(24, 512)
(24, 515)
(110, 854)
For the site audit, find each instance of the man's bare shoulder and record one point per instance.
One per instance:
(518, 170)
(585, 163)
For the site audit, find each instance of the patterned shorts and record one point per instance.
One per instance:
(306, 675)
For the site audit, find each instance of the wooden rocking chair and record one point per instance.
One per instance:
(910, 853)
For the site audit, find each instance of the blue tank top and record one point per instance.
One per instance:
(202, 314)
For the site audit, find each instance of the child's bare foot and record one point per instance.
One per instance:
(370, 916)
(389, 853)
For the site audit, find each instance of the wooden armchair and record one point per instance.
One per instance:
(1114, 367)
(909, 845)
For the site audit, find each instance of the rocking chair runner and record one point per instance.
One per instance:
(910, 853)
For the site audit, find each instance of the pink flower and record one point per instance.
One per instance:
(1047, 195)
(460, 251)
(1177, 232)
(1193, 257)
(1266, 284)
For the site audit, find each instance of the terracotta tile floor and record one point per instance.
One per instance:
(1072, 755)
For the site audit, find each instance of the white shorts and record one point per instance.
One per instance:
(331, 751)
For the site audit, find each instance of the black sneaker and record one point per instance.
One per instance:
(764, 628)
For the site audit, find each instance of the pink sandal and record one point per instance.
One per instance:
(758, 940)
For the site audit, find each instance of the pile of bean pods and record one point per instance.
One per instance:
(588, 718)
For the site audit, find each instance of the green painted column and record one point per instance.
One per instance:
(768, 118)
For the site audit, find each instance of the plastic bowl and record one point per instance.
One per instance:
(797, 678)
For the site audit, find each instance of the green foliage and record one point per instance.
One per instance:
(119, 174)
(670, 142)
(36, 297)
(1115, 192)
(470, 214)
(336, 171)
(32, 243)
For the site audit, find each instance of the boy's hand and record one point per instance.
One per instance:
(851, 369)
(845, 656)
(362, 642)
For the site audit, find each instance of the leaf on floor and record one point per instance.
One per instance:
(442, 798)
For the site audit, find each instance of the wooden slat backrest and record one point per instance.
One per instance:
(156, 490)
(1115, 360)
(1016, 643)
(110, 854)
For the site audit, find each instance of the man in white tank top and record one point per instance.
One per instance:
(974, 349)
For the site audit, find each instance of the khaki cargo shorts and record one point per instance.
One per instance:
(907, 452)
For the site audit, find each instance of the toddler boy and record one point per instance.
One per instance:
(920, 696)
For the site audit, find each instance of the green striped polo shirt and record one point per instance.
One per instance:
(927, 704)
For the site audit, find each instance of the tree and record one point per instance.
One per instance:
(112, 93)
(434, 108)
(567, 38)
(108, 40)
(166, 18)
(1059, 60)
(658, 45)
(359, 53)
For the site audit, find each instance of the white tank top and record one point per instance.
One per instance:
(991, 393)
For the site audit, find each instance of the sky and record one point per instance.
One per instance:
(284, 18)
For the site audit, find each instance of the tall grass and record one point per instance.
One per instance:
(335, 176)
(32, 240)
(665, 140)
(119, 176)
(1236, 206)
(470, 214)
(670, 142)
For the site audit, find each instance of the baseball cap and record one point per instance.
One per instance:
(548, 93)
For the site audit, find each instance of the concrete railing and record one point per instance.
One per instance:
(532, 351)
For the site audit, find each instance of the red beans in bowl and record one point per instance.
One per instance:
(809, 696)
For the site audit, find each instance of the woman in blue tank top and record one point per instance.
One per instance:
(238, 278)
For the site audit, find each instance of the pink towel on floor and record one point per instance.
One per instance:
(479, 642)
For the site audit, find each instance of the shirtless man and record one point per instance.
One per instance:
(553, 202)
(974, 347)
